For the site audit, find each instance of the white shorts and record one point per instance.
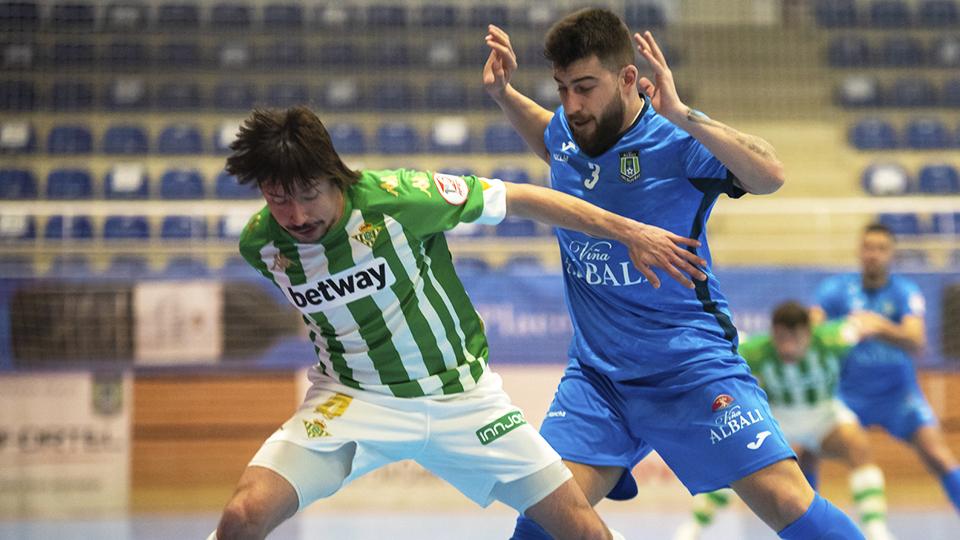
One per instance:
(474, 440)
(806, 427)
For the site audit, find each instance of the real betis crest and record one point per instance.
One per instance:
(367, 234)
(629, 166)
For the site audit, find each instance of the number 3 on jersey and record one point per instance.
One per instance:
(594, 177)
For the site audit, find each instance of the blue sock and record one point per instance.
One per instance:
(951, 483)
(813, 476)
(822, 521)
(528, 529)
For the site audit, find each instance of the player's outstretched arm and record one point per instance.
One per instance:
(525, 115)
(751, 159)
(649, 246)
(909, 334)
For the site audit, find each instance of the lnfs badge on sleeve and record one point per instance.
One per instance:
(629, 166)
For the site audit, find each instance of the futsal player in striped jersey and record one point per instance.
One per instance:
(401, 368)
(798, 366)
(650, 362)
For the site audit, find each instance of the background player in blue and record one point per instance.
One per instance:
(652, 365)
(878, 380)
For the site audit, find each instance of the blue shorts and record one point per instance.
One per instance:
(901, 415)
(710, 435)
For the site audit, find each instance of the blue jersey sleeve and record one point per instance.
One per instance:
(698, 162)
(830, 298)
(910, 299)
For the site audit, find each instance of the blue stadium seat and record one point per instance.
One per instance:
(517, 175)
(347, 138)
(183, 227)
(889, 14)
(940, 178)
(523, 265)
(17, 137)
(398, 138)
(912, 91)
(342, 94)
(951, 93)
(71, 96)
(450, 135)
(230, 226)
(127, 94)
(501, 138)
(72, 15)
(226, 187)
(283, 16)
(873, 134)
(179, 54)
(121, 55)
(945, 223)
(16, 266)
(387, 16)
(127, 266)
(945, 52)
(17, 184)
(287, 94)
(859, 91)
(438, 15)
(471, 266)
(125, 139)
(236, 266)
(937, 13)
(394, 95)
(489, 13)
(127, 181)
(902, 51)
(178, 16)
(180, 138)
(927, 134)
(231, 96)
(902, 224)
(19, 55)
(886, 179)
(186, 267)
(16, 227)
(284, 53)
(179, 96)
(69, 184)
(446, 94)
(19, 15)
(391, 55)
(68, 228)
(514, 226)
(70, 266)
(17, 96)
(338, 54)
(848, 51)
(69, 139)
(836, 13)
(644, 16)
(230, 16)
(126, 228)
(910, 259)
(125, 16)
(72, 54)
(224, 136)
(181, 184)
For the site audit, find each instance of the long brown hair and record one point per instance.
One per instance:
(287, 148)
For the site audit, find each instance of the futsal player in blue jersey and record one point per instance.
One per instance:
(653, 363)
(878, 380)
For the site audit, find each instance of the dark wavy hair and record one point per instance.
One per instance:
(288, 148)
(792, 315)
(587, 32)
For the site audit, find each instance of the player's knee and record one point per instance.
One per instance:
(242, 518)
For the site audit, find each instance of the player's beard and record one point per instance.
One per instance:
(607, 131)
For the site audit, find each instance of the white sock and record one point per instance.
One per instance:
(616, 535)
(213, 535)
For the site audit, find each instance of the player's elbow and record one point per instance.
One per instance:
(771, 181)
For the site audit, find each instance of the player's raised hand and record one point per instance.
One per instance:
(868, 323)
(662, 91)
(652, 247)
(501, 63)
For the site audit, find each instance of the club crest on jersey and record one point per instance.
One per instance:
(280, 263)
(629, 166)
(452, 188)
(367, 234)
(721, 402)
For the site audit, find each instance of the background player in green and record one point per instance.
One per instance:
(798, 367)
(402, 357)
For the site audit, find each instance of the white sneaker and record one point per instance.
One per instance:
(689, 531)
(877, 530)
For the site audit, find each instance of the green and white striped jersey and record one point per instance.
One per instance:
(378, 292)
(807, 382)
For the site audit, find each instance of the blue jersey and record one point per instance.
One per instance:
(659, 175)
(874, 367)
